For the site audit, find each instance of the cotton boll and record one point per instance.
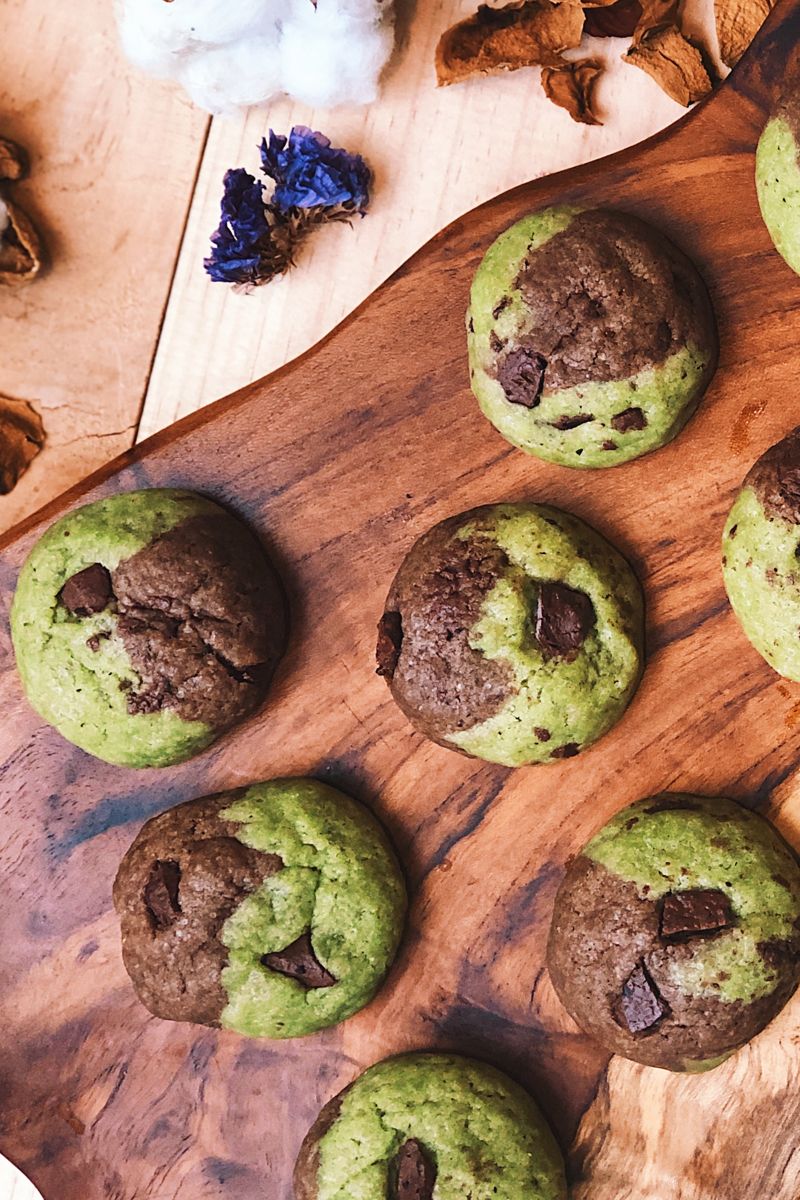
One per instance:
(220, 21)
(324, 71)
(232, 53)
(237, 75)
(179, 23)
(152, 56)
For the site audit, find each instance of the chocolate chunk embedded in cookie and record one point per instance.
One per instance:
(761, 556)
(591, 337)
(147, 624)
(676, 931)
(513, 633)
(275, 910)
(419, 1118)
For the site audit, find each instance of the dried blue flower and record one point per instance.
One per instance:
(247, 248)
(310, 173)
(314, 183)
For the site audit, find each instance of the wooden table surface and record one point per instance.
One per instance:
(125, 333)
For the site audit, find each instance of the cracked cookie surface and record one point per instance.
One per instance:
(424, 1125)
(676, 931)
(275, 910)
(514, 633)
(591, 337)
(147, 624)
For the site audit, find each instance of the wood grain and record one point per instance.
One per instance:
(111, 200)
(340, 460)
(436, 152)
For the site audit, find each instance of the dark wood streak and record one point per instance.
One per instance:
(340, 460)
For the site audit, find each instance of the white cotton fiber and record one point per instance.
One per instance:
(233, 76)
(236, 53)
(325, 69)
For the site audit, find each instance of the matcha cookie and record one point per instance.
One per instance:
(761, 556)
(675, 931)
(275, 910)
(147, 624)
(591, 337)
(778, 179)
(513, 633)
(430, 1127)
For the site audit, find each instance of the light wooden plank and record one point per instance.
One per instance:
(114, 157)
(436, 154)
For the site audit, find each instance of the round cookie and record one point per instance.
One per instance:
(778, 179)
(761, 555)
(591, 337)
(674, 937)
(146, 624)
(275, 910)
(514, 633)
(425, 1125)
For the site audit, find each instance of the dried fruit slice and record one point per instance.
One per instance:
(675, 64)
(613, 20)
(13, 161)
(20, 246)
(21, 439)
(532, 33)
(738, 21)
(572, 86)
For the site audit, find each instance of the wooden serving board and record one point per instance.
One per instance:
(340, 460)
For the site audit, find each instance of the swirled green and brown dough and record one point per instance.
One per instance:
(275, 910)
(513, 632)
(430, 1127)
(761, 555)
(674, 937)
(591, 337)
(146, 624)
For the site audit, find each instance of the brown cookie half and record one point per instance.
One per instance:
(202, 617)
(177, 885)
(610, 955)
(608, 297)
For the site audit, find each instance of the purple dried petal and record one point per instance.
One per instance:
(246, 249)
(310, 173)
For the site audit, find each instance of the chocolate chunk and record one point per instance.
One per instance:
(630, 418)
(161, 893)
(501, 306)
(542, 734)
(564, 618)
(412, 1173)
(641, 1005)
(87, 592)
(694, 912)
(521, 376)
(495, 343)
(94, 641)
(390, 641)
(299, 962)
(608, 445)
(568, 751)
(572, 422)
(613, 20)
